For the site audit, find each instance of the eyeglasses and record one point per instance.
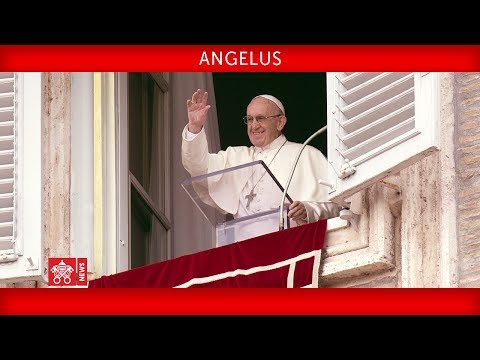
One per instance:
(260, 118)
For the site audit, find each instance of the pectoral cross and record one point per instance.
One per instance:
(250, 197)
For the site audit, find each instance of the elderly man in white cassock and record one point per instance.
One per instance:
(265, 119)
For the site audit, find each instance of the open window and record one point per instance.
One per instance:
(144, 162)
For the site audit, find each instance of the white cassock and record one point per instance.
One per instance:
(304, 187)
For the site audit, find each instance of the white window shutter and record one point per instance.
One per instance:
(20, 176)
(378, 124)
(7, 163)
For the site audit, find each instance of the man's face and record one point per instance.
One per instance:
(264, 132)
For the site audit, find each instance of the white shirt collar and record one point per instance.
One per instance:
(275, 144)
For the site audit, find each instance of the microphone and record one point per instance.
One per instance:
(281, 226)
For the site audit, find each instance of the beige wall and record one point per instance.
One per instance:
(467, 158)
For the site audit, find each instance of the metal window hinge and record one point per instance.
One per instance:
(8, 256)
(351, 217)
(346, 170)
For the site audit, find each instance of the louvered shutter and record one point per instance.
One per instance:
(20, 177)
(7, 167)
(378, 123)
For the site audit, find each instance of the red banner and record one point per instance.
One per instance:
(247, 58)
(288, 258)
(215, 301)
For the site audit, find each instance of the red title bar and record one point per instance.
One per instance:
(85, 301)
(248, 58)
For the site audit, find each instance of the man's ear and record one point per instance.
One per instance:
(281, 123)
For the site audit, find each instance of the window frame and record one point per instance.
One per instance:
(125, 180)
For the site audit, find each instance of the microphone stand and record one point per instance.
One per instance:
(281, 226)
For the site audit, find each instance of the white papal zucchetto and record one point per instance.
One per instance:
(274, 100)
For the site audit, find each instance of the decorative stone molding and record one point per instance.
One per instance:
(369, 249)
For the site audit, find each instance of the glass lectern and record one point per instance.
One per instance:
(216, 195)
